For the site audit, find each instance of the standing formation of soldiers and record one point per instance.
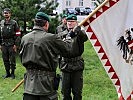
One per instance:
(40, 52)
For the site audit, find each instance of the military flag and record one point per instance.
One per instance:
(110, 30)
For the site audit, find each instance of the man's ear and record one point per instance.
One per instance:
(46, 26)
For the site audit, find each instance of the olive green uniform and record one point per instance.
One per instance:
(72, 66)
(61, 28)
(8, 38)
(41, 61)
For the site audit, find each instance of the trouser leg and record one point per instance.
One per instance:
(30, 97)
(12, 57)
(77, 85)
(66, 86)
(52, 96)
(12, 61)
(5, 56)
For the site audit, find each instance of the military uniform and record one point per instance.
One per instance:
(72, 65)
(39, 55)
(63, 26)
(8, 36)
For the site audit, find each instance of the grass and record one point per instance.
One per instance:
(97, 85)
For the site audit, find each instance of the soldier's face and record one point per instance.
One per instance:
(71, 24)
(64, 21)
(6, 14)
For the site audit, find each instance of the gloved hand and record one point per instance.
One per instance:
(77, 29)
(72, 34)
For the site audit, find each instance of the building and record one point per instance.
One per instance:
(76, 3)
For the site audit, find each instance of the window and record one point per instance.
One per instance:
(80, 2)
(68, 2)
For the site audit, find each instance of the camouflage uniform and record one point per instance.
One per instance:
(8, 39)
(39, 55)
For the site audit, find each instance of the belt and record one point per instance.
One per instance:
(36, 67)
(72, 59)
(40, 72)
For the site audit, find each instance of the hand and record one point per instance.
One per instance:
(15, 48)
(72, 34)
(77, 29)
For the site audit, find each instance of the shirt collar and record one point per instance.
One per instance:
(38, 28)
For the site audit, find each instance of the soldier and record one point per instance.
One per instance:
(63, 26)
(39, 55)
(9, 32)
(72, 65)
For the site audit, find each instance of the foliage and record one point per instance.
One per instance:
(48, 9)
(24, 11)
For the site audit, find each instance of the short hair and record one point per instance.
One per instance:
(40, 22)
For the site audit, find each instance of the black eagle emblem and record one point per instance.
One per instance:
(125, 44)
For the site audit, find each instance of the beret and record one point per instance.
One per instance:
(71, 17)
(64, 15)
(42, 15)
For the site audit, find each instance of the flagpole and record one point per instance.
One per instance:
(93, 12)
(18, 85)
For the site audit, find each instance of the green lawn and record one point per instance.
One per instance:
(97, 85)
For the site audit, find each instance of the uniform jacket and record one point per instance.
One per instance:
(61, 28)
(74, 61)
(44, 50)
(8, 32)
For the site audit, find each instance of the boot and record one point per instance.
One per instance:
(7, 74)
(12, 74)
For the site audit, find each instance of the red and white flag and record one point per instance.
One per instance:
(104, 28)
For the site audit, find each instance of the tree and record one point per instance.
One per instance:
(48, 7)
(24, 11)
